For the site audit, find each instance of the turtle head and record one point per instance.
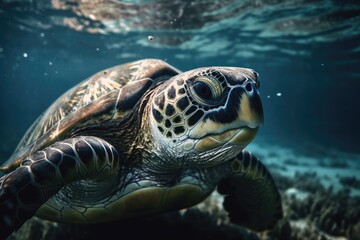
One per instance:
(209, 113)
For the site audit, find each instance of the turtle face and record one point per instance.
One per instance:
(207, 111)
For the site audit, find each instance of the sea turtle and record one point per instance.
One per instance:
(138, 139)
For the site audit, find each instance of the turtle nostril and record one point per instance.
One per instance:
(249, 87)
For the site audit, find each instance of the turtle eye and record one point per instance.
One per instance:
(206, 90)
(203, 90)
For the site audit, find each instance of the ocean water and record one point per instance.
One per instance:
(307, 53)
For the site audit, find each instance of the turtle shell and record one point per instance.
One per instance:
(94, 100)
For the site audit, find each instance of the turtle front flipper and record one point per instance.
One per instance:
(44, 173)
(251, 196)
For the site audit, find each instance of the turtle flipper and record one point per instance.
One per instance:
(44, 173)
(252, 199)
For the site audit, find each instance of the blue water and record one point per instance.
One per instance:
(306, 51)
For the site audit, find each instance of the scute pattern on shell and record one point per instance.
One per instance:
(86, 92)
(78, 97)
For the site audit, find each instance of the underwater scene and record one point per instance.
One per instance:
(153, 148)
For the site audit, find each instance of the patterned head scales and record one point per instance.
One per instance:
(207, 108)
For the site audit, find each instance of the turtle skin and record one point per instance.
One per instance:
(140, 139)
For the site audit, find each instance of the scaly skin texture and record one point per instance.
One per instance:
(44, 173)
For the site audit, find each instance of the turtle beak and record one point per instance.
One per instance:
(250, 111)
(248, 120)
(250, 114)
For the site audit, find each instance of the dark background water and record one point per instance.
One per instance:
(309, 51)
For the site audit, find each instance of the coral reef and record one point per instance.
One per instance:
(322, 212)
(353, 182)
